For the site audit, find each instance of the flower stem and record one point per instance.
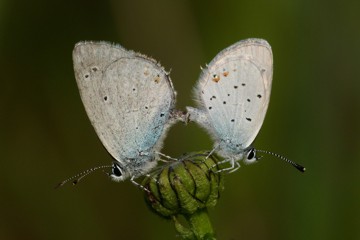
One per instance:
(200, 224)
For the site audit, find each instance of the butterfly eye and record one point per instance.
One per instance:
(251, 154)
(116, 170)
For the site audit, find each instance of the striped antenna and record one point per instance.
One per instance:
(294, 164)
(81, 175)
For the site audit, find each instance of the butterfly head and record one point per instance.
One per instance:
(250, 155)
(118, 172)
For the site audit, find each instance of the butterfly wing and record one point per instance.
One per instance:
(234, 92)
(127, 96)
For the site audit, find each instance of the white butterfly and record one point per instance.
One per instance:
(233, 95)
(129, 99)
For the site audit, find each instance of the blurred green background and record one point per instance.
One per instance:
(313, 117)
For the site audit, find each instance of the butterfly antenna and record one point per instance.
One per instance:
(294, 164)
(81, 175)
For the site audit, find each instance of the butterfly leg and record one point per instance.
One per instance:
(154, 179)
(166, 156)
(236, 168)
(220, 163)
(232, 162)
(139, 185)
(212, 151)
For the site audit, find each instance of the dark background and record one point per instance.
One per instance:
(313, 117)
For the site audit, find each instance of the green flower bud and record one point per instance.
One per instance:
(183, 190)
(185, 186)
